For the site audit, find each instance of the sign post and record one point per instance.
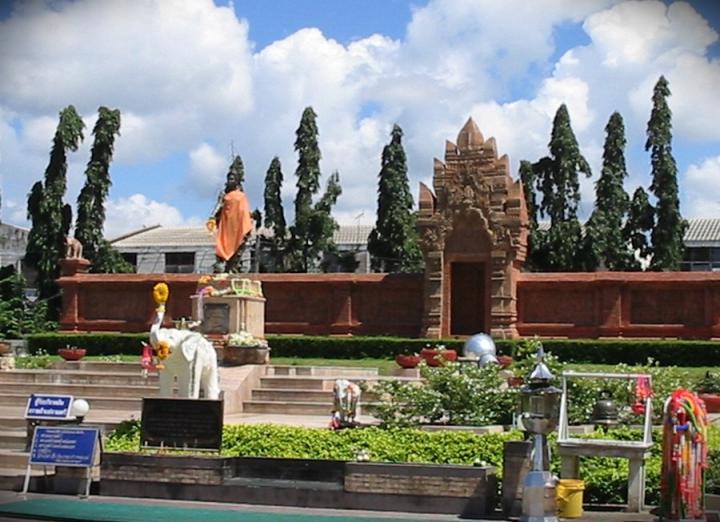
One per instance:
(48, 407)
(63, 446)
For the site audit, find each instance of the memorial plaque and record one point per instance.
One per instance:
(216, 318)
(182, 423)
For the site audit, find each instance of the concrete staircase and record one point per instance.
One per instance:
(113, 390)
(302, 390)
(296, 395)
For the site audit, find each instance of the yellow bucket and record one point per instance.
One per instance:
(570, 498)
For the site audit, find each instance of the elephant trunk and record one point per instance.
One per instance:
(155, 328)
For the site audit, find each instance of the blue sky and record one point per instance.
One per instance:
(197, 80)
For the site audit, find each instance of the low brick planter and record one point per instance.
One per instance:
(475, 483)
(422, 488)
(166, 468)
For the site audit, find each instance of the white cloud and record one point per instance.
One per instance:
(185, 78)
(702, 183)
(137, 211)
(207, 170)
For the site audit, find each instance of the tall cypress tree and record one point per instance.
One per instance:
(556, 177)
(667, 234)
(91, 201)
(51, 218)
(537, 255)
(308, 184)
(238, 169)
(605, 243)
(274, 212)
(639, 223)
(322, 224)
(393, 243)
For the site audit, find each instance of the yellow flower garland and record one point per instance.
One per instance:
(161, 292)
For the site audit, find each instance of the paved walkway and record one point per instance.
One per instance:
(120, 509)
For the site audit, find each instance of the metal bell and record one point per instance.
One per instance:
(605, 411)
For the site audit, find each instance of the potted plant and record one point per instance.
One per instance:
(407, 361)
(438, 355)
(72, 353)
(708, 388)
(242, 348)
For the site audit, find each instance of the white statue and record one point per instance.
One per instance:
(346, 396)
(184, 354)
(74, 248)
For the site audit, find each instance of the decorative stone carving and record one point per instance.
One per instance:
(476, 215)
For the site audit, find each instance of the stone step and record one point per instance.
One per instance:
(18, 425)
(14, 460)
(289, 395)
(77, 377)
(99, 366)
(330, 372)
(296, 383)
(293, 395)
(81, 390)
(288, 408)
(13, 439)
(102, 402)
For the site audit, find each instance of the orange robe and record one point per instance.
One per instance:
(235, 224)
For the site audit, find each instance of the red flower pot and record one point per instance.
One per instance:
(712, 402)
(431, 356)
(72, 354)
(514, 381)
(407, 361)
(504, 361)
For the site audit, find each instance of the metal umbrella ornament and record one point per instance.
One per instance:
(684, 457)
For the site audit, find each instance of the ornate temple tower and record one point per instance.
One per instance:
(473, 234)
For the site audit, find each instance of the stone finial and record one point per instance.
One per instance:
(426, 200)
(470, 136)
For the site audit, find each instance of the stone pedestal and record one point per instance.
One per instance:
(230, 314)
(74, 265)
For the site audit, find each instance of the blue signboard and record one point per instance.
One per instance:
(48, 406)
(63, 446)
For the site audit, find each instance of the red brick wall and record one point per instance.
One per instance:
(341, 304)
(620, 304)
(590, 305)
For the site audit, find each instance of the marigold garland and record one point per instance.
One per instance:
(161, 292)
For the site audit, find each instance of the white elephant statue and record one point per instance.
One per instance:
(187, 355)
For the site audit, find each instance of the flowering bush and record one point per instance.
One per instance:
(244, 339)
(451, 394)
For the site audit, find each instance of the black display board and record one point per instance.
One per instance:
(182, 423)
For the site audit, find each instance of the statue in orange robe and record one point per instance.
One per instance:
(233, 223)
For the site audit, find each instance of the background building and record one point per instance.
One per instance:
(702, 245)
(192, 249)
(13, 242)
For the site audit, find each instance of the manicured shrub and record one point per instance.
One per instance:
(94, 343)
(595, 351)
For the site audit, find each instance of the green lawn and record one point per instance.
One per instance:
(385, 366)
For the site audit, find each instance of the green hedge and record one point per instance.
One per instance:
(605, 478)
(588, 351)
(94, 343)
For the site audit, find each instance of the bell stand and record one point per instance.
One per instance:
(637, 452)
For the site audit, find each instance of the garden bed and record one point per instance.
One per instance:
(605, 478)
(457, 489)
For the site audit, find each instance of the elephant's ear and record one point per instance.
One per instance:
(188, 349)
